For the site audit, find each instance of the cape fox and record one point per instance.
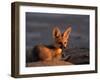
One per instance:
(53, 52)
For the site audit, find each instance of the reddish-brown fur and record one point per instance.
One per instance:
(47, 53)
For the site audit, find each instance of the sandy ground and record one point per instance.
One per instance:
(48, 63)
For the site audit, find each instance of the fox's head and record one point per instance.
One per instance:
(61, 39)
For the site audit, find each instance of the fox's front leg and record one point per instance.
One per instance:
(58, 54)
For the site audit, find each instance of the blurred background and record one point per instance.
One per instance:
(39, 28)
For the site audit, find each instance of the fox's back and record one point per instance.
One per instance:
(47, 53)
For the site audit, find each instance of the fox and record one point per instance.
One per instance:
(53, 51)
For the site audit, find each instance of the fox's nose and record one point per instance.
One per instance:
(62, 46)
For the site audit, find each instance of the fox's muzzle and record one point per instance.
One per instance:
(62, 46)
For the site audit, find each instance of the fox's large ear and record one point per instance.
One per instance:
(56, 32)
(67, 32)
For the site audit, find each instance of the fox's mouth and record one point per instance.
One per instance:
(62, 47)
